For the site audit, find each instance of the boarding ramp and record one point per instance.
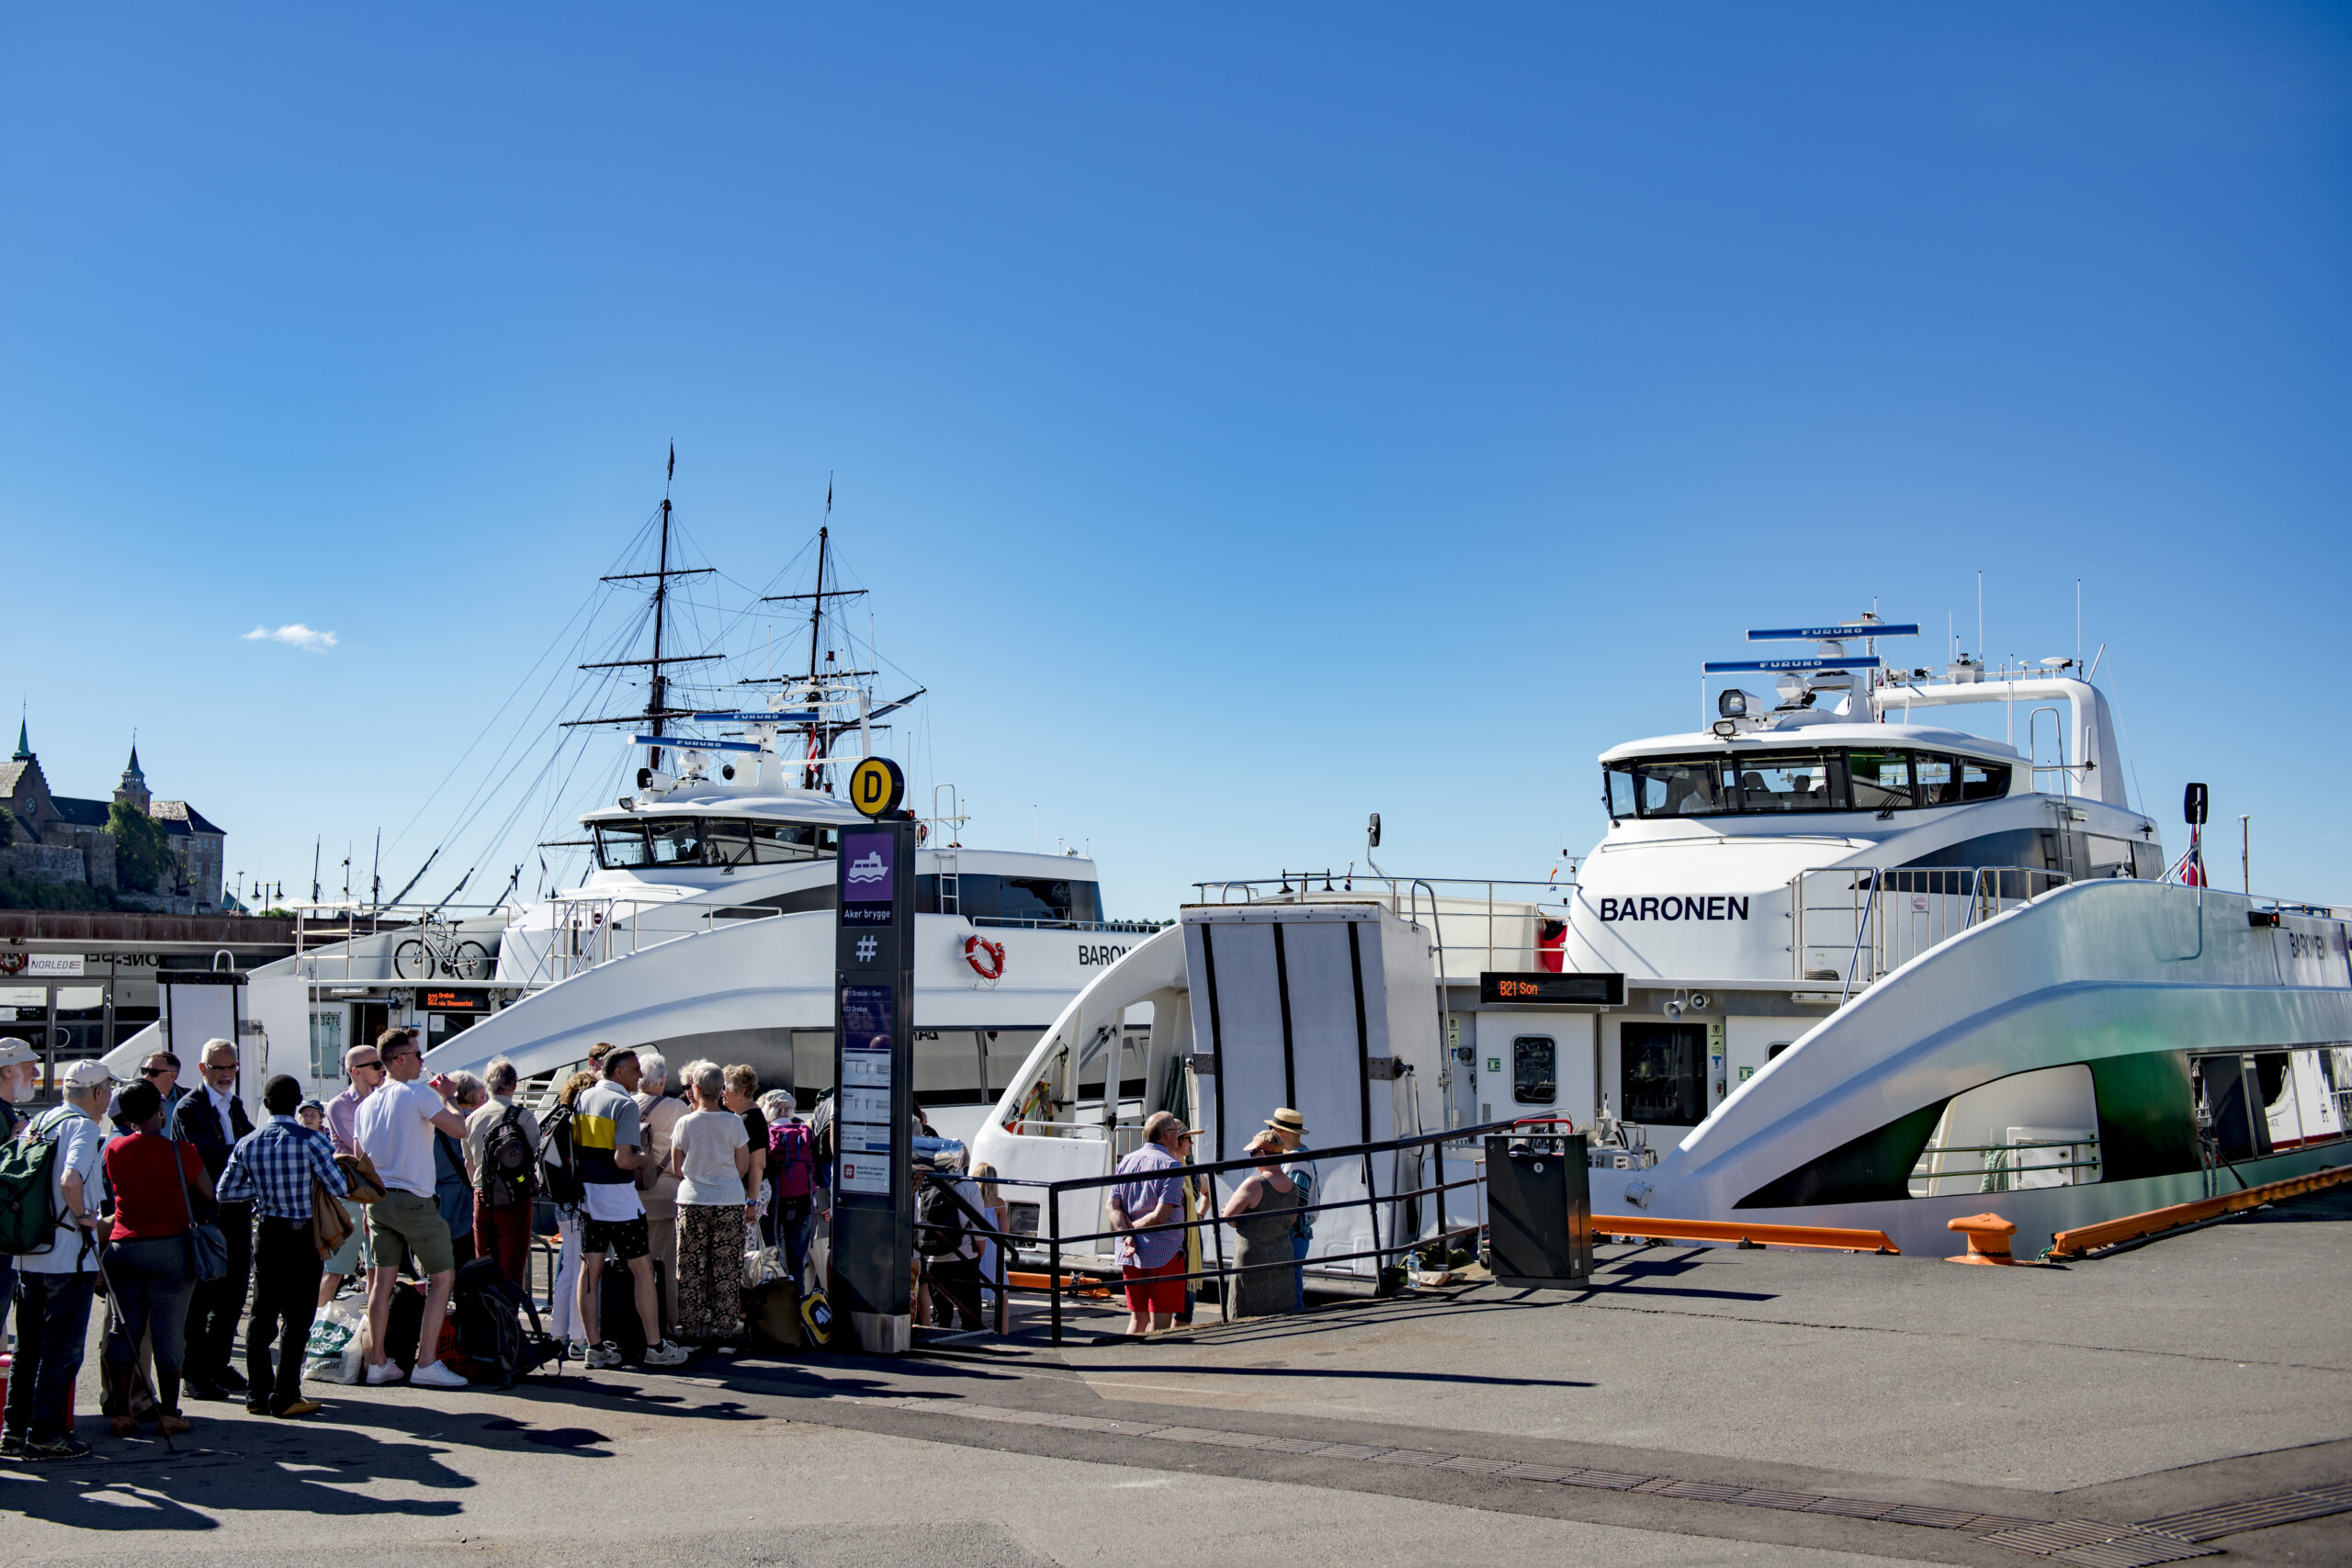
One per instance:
(1333, 1009)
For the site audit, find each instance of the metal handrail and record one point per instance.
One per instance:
(1371, 1201)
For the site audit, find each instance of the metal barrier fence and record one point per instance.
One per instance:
(1372, 1200)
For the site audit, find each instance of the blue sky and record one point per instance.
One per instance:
(1246, 421)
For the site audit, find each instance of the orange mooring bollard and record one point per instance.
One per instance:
(1988, 1238)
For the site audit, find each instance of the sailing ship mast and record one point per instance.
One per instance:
(819, 736)
(657, 709)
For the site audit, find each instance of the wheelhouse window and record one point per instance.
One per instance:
(675, 840)
(1881, 781)
(620, 846)
(1786, 782)
(1679, 788)
(1751, 783)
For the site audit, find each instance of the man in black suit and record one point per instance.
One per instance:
(212, 1118)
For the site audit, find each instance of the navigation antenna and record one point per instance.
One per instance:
(657, 709)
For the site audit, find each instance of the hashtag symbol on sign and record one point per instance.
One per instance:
(865, 946)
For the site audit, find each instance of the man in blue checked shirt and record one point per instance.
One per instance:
(273, 1168)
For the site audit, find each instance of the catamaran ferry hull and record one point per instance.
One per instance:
(2105, 1048)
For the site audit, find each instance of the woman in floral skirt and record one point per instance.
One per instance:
(711, 1155)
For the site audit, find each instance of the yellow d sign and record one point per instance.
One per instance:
(876, 787)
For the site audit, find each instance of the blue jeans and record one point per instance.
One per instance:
(52, 1322)
(1298, 1245)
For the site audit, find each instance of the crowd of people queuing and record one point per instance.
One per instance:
(191, 1217)
(189, 1214)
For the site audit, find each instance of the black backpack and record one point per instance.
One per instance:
(28, 1213)
(559, 1171)
(488, 1309)
(939, 1226)
(509, 1169)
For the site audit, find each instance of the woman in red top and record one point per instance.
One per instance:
(149, 1271)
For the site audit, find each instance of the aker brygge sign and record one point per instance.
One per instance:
(1675, 906)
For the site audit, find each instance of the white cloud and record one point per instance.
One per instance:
(293, 634)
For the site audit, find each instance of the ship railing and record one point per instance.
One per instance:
(1481, 923)
(1855, 926)
(1402, 1221)
(349, 925)
(592, 930)
(2005, 1167)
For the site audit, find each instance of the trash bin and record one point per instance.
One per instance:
(1539, 1208)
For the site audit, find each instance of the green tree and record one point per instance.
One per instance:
(7, 827)
(143, 853)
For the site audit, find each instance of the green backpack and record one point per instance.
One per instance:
(29, 1213)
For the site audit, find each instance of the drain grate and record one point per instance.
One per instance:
(2260, 1513)
(2087, 1543)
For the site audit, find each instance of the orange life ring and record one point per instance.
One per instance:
(986, 957)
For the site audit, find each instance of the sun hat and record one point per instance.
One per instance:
(1287, 1121)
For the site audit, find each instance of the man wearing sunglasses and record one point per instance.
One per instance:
(163, 1070)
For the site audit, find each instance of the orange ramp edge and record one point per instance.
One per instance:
(2084, 1239)
(1826, 1237)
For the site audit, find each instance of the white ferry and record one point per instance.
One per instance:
(1838, 966)
(703, 923)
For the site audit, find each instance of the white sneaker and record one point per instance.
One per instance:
(666, 1355)
(381, 1372)
(433, 1374)
(600, 1355)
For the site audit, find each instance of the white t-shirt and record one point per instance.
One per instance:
(396, 1133)
(80, 1147)
(710, 1139)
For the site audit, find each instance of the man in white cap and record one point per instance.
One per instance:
(54, 1287)
(20, 1070)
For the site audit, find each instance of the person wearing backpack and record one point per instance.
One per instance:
(559, 1178)
(792, 1171)
(55, 1283)
(503, 1150)
(943, 1235)
(20, 1070)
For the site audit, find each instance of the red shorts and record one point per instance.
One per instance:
(1159, 1290)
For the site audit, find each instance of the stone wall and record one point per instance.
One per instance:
(48, 862)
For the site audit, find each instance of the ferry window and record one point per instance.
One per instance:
(725, 844)
(1983, 781)
(776, 842)
(1535, 1070)
(1679, 788)
(1032, 898)
(1619, 784)
(1658, 1074)
(620, 846)
(1938, 777)
(1881, 781)
(1785, 782)
(676, 840)
(1086, 903)
(2108, 857)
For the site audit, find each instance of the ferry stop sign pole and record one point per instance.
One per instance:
(874, 1209)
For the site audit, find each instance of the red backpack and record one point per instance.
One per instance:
(793, 1157)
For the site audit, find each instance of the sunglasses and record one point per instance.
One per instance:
(356, 1066)
(155, 1072)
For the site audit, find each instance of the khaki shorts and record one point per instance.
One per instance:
(401, 1224)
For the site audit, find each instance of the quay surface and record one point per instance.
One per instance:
(1697, 1405)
